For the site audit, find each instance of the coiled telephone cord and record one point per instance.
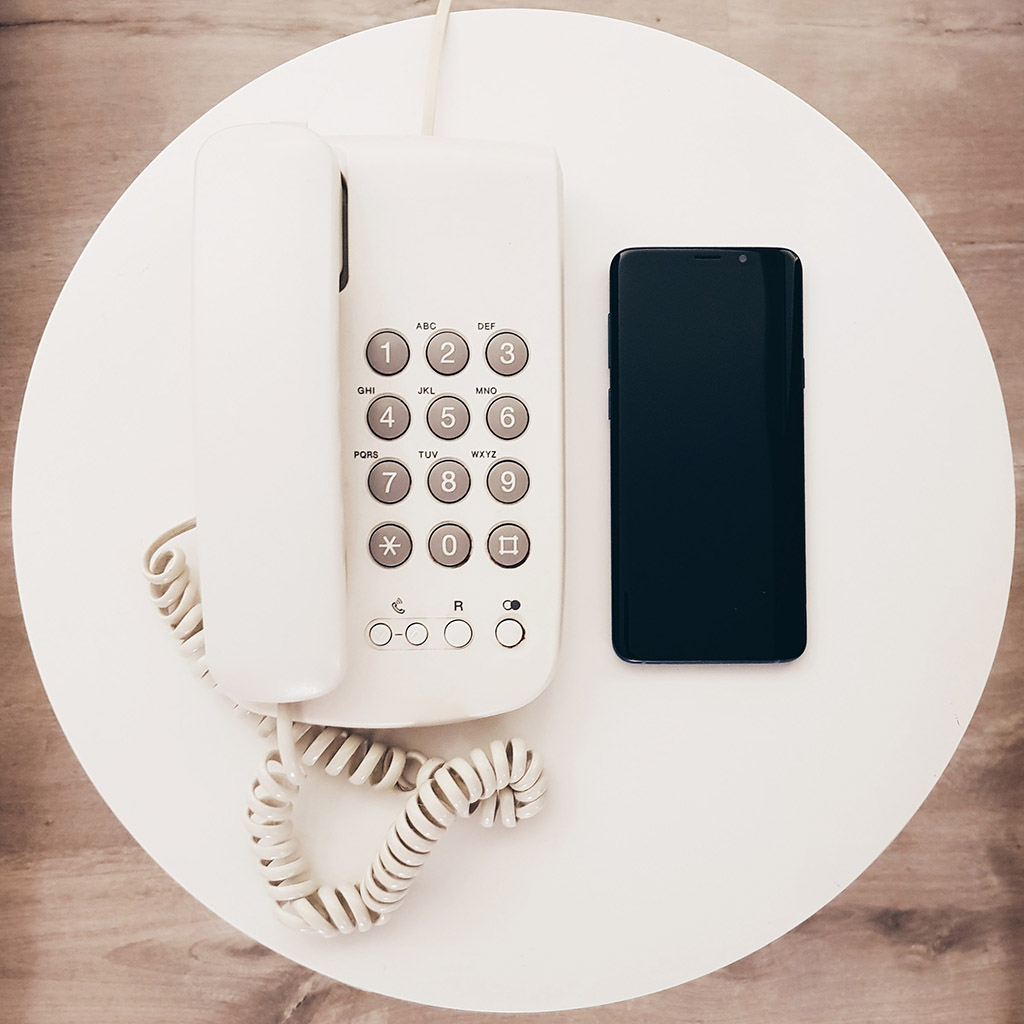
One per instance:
(505, 784)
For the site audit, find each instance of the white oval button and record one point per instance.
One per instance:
(380, 634)
(509, 632)
(458, 632)
(415, 633)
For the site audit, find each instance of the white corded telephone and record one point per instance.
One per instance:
(379, 469)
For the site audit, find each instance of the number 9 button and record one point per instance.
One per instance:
(507, 481)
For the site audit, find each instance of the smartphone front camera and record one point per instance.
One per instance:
(743, 257)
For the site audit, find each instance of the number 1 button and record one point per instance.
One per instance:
(387, 352)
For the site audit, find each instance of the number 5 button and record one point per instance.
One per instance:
(508, 481)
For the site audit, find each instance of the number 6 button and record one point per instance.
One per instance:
(507, 481)
(507, 417)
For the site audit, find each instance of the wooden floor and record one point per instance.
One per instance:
(92, 931)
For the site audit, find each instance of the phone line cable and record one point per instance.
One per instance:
(505, 783)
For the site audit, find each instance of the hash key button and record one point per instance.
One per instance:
(508, 545)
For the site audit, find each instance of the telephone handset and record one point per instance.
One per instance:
(379, 423)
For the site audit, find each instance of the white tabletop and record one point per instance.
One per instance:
(696, 813)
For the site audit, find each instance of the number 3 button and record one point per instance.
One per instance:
(507, 353)
(507, 481)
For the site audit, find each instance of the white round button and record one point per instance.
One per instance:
(509, 632)
(415, 633)
(458, 633)
(380, 634)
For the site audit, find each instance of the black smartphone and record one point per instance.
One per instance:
(707, 455)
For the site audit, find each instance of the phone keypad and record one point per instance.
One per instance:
(448, 477)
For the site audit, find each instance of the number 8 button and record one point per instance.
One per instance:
(448, 481)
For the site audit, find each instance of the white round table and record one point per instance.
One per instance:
(696, 813)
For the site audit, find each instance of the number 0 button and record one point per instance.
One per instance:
(508, 481)
(449, 544)
(390, 545)
(447, 353)
(388, 417)
(506, 353)
(507, 417)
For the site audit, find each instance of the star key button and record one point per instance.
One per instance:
(390, 545)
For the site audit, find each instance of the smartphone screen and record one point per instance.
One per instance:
(707, 455)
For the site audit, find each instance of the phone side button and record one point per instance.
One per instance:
(380, 634)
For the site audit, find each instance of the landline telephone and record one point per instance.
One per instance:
(378, 414)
